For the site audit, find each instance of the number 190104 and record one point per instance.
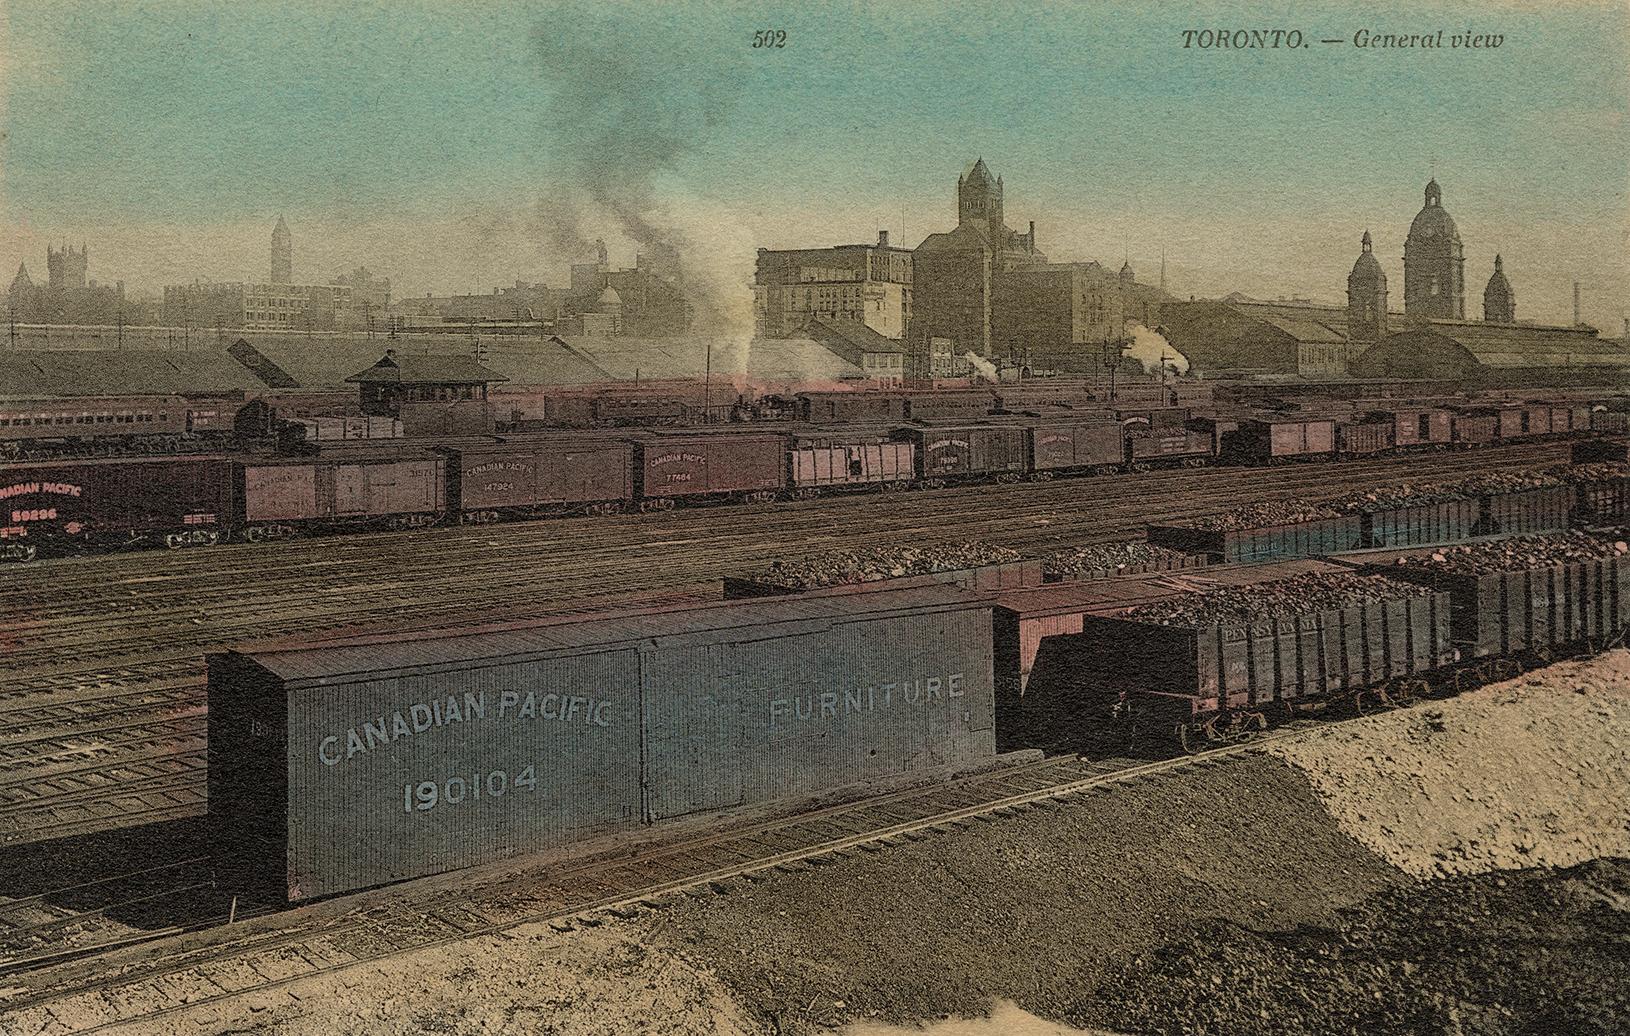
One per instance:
(427, 795)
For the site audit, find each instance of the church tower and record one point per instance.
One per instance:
(66, 268)
(282, 254)
(1366, 297)
(1499, 301)
(979, 201)
(1434, 265)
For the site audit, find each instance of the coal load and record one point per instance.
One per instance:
(1507, 482)
(872, 563)
(1305, 594)
(1424, 494)
(1257, 516)
(1519, 554)
(1576, 474)
(1110, 557)
(1391, 498)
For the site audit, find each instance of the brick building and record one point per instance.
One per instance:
(865, 284)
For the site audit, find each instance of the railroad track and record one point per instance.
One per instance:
(77, 637)
(115, 984)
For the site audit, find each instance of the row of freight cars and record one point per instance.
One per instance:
(343, 764)
(204, 499)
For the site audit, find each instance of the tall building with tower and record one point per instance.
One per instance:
(1366, 296)
(69, 295)
(1499, 301)
(1434, 263)
(282, 253)
(65, 267)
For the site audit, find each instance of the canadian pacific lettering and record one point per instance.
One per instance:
(512, 706)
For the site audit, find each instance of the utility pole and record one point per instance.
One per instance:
(707, 383)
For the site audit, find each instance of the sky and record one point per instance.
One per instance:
(457, 147)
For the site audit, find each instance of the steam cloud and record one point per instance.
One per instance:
(620, 121)
(1157, 355)
(983, 367)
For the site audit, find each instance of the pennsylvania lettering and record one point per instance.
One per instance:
(419, 717)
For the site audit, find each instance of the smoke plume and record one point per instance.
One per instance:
(1157, 355)
(619, 122)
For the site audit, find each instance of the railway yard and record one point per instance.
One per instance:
(118, 915)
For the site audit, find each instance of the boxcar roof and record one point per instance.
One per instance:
(708, 622)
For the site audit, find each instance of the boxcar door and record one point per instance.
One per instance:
(691, 698)
(351, 489)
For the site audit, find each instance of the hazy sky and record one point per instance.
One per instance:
(454, 147)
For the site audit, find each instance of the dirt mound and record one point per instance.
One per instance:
(1531, 952)
(596, 982)
(1527, 773)
(1033, 908)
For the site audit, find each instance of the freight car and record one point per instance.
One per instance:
(967, 452)
(339, 489)
(528, 476)
(345, 765)
(822, 461)
(689, 466)
(54, 505)
(1277, 440)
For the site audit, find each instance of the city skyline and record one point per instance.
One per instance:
(462, 173)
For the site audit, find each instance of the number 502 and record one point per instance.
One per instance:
(766, 39)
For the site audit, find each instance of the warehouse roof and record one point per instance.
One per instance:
(344, 661)
(329, 364)
(419, 369)
(1453, 348)
(779, 359)
(37, 373)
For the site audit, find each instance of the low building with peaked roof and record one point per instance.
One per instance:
(1482, 352)
(1235, 338)
(879, 358)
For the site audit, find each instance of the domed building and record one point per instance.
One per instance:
(1366, 296)
(1434, 263)
(1499, 301)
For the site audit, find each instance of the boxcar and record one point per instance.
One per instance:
(1280, 439)
(351, 764)
(967, 451)
(1524, 422)
(1073, 445)
(826, 460)
(176, 500)
(1419, 427)
(537, 474)
(676, 465)
(339, 487)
